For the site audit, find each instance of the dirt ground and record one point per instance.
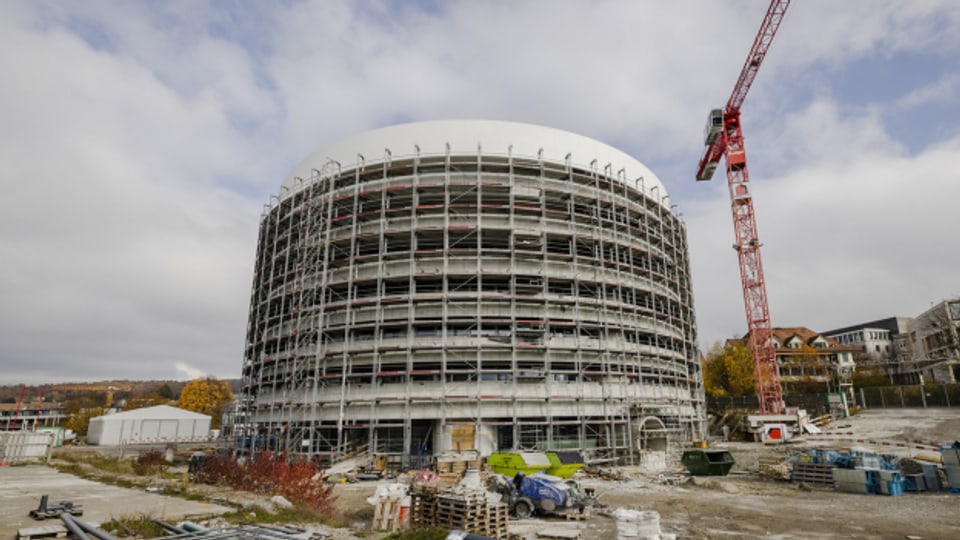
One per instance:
(740, 505)
(744, 505)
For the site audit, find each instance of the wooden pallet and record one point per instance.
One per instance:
(813, 473)
(44, 531)
(386, 516)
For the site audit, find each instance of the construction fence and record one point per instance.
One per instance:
(22, 446)
(874, 397)
(814, 404)
(912, 396)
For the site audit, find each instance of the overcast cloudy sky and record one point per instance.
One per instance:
(140, 140)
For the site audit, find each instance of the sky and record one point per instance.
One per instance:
(139, 142)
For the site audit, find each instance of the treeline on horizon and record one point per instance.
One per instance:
(122, 389)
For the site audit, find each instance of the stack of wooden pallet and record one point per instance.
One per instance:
(423, 506)
(498, 518)
(453, 508)
(813, 473)
(452, 469)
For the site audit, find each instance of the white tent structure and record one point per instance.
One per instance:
(158, 424)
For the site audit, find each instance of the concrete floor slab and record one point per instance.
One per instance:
(22, 487)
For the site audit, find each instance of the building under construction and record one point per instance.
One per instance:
(471, 284)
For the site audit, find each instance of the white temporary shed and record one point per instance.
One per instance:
(149, 425)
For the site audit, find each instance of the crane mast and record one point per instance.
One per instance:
(723, 137)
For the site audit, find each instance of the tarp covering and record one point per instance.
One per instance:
(158, 424)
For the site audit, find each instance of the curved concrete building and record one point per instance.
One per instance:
(471, 284)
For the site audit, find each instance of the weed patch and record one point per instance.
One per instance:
(140, 527)
(257, 514)
(149, 463)
(431, 533)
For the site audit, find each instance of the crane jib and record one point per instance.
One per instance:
(768, 29)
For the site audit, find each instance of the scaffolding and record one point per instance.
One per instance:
(542, 304)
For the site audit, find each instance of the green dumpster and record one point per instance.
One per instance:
(510, 463)
(564, 464)
(708, 462)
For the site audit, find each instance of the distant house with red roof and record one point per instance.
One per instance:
(806, 356)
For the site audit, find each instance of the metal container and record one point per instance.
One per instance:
(564, 464)
(707, 462)
(510, 463)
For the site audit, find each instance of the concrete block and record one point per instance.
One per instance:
(953, 475)
(852, 487)
(891, 488)
(914, 482)
(931, 477)
(951, 456)
(850, 476)
(891, 476)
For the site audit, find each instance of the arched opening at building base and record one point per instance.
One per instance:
(653, 444)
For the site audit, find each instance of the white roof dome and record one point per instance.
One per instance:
(466, 137)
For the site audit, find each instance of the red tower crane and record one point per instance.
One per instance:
(723, 137)
(16, 414)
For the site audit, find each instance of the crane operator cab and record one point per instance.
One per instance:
(714, 126)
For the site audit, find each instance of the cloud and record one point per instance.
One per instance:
(614, 71)
(823, 32)
(860, 232)
(188, 371)
(140, 141)
(124, 250)
(943, 90)
(823, 132)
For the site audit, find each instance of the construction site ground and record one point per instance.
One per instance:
(744, 505)
(740, 505)
(22, 486)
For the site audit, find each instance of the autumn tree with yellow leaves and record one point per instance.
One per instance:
(79, 421)
(207, 395)
(728, 370)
